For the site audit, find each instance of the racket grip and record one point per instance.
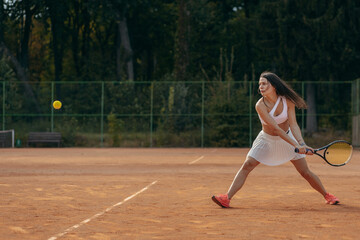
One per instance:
(307, 150)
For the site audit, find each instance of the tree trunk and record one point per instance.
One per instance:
(57, 29)
(24, 48)
(119, 54)
(124, 52)
(181, 42)
(85, 41)
(75, 38)
(248, 53)
(57, 52)
(2, 19)
(311, 119)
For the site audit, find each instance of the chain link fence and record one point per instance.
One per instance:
(165, 114)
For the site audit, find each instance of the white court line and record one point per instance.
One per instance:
(198, 159)
(100, 213)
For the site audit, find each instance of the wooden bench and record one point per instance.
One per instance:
(44, 137)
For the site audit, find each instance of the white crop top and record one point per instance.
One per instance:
(283, 116)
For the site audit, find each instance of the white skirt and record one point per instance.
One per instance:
(273, 150)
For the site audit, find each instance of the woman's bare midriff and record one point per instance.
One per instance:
(269, 130)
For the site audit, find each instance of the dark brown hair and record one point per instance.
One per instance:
(282, 89)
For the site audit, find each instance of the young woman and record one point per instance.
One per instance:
(278, 139)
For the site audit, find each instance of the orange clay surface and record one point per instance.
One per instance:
(79, 193)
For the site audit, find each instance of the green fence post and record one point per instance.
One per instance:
(52, 109)
(250, 113)
(358, 96)
(355, 102)
(3, 103)
(302, 110)
(151, 112)
(102, 115)
(202, 113)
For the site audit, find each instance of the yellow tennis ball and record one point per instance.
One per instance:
(57, 104)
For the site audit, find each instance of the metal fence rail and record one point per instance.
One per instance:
(356, 113)
(161, 114)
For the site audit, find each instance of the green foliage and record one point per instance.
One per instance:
(302, 40)
(223, 42)
(14, 91)
(228, 122)
(70, 131)
(115, 129)
(6, 72)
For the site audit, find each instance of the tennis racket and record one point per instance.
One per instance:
(337, 153)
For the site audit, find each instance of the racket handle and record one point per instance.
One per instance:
(307, 150)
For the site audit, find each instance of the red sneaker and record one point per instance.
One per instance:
(222, 200)
(331, 199)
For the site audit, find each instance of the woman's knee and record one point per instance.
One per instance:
(249, 164)
(302, 167)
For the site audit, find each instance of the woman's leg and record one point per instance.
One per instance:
(302, 167)
(239, 180)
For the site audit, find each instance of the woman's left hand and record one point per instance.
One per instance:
(309, 150)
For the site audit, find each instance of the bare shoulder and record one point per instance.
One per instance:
(290, 103)
(260, 104)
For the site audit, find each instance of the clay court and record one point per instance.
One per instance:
(116, 193)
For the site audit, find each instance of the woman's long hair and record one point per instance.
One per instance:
(282, 89)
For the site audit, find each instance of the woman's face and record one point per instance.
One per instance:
(265, 87)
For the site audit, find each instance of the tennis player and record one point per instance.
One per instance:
(278, 139)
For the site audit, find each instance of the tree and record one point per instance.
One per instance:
(124, 52)
(2, 20)
(153, 25)
(297, 50)
(315, 37)
(29, 7)
(21, 65)
(182, 40)
(57, 14)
